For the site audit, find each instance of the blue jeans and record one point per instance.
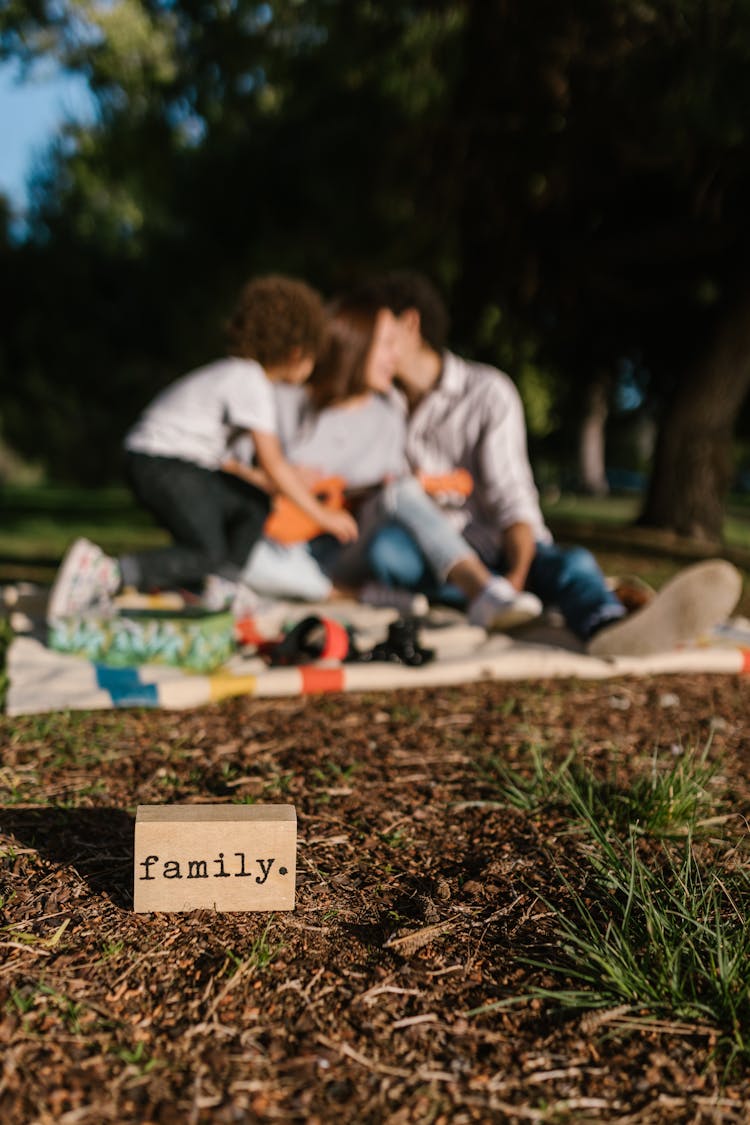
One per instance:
(324, 559)
(567, 577)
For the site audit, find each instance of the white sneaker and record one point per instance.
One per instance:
(500, 606)
(245, 601)
(691, 604)
(87, 579)
(406, 602)
(220, 594)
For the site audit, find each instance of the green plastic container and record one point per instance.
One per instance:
(195, 639)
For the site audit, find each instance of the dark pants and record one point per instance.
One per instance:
(214, 519)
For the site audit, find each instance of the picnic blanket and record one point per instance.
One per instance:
(42, 680)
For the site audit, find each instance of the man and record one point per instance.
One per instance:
(469, 415)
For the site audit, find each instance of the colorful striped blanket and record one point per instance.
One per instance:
(43, 680)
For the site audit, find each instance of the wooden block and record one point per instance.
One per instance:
(214, 857)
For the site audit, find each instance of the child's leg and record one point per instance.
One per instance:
(245, 510)
(286, 572)
(180, 497)
(212, 521)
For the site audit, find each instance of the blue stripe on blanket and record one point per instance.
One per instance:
(125, 687)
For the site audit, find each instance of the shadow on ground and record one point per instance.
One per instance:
(98, 843)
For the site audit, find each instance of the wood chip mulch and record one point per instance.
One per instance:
(417, 893)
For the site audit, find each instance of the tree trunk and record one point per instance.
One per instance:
(692, 468)
(591, 437)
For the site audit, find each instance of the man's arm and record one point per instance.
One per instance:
(506, 482)
(519, 548)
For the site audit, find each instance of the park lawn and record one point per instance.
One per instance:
(515, 902)
(618, 511)
(38, 523)
(44, 518)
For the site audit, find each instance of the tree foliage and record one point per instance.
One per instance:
(574, 176)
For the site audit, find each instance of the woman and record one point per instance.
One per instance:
(346, 422)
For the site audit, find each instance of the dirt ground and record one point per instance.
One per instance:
(417, 895)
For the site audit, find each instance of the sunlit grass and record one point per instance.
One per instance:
(615, 511)
(526, 790)
(40, 522)
(648, 927)
(674, 798)
(666, 937)
(620, 511)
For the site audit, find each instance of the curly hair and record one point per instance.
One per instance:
(400, 290)
(340, 372)
(274, 316)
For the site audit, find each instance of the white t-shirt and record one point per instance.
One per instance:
(197, 417)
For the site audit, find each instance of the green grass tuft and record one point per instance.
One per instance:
(671, 800)
(667, 935)
(647, 927)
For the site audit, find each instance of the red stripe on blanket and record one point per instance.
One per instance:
(315, 681)
(745, 669)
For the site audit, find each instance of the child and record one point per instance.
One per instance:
(179, 464)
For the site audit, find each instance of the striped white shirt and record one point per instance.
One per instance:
(473, 419)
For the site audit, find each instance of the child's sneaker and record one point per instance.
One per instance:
(406, 602)
(500, 606)
(691, 604)
(221, 594)
(245, 602)
(218, 593)
(87, 579)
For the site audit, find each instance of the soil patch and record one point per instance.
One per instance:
(419, 892)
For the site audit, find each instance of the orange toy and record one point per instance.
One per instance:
(288, 524)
